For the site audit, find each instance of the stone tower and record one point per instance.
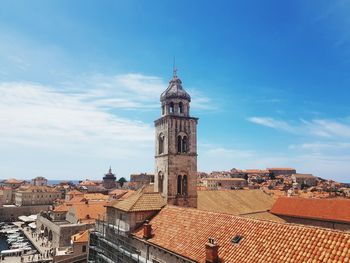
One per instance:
(109, 180)
(176, 147)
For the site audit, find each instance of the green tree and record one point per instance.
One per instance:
(121, 181)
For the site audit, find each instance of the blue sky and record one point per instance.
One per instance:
(80, 84)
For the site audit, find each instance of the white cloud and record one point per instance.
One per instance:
(79, 120)
(272, 123)
(129, 91)
(316, 127)
(41, 116)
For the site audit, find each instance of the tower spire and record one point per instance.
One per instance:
(174, 69)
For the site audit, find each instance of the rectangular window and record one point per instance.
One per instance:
(84, 249)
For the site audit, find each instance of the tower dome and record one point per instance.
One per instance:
(175, 90)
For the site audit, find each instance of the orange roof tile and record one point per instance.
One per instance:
(89, 211)
(322, 209)
(121, 193)
(96, 196)
(61, 208)
(76, 199)
(185, 231)
(234, 202)
(13, 181)
(141, 200)
(75, 192)
(81, 237)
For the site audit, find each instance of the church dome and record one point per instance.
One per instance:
(175, 91)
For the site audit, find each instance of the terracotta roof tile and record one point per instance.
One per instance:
(81, 237)
(13, 181)
(185, 232)
(89, 211)
(337, 209)
(75, 192)
(141, 200)
(234, 202)
(61, 208)
(96, 196)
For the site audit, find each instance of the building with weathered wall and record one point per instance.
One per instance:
(139, 180)
(12, 213)
(224, 183)
(39, 181)
(304, 179)
(59, 233)
(36, 195)
(281, 171)
(77, 252)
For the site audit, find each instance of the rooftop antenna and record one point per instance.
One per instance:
(174, 70)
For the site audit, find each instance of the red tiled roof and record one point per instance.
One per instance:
(75, 192)
(185, 231)
(61, 208)
(89, 211)
(81, 237)
(141, 200)
(337, 209)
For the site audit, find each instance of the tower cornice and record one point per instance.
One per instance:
(175, 117)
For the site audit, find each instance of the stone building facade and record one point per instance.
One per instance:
(36, 195)
(139, 180)
(176, 147)
(224, 183)
(304, 179)
(39, 181)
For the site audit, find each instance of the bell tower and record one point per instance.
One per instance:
(176, 147)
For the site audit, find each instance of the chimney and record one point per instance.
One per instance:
(147, 230)
(211, 251)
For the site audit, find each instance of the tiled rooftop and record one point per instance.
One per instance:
(141, 200)
(234, 202)
(81, 237)
(337, 209)
(185, 231)
(89, 211)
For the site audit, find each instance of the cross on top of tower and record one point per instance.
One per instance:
(174, 70)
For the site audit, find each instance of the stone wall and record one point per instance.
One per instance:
(170, 164)
(157, 254)
(12, 213)
(61, 232)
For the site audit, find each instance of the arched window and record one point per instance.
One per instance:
(184, 185)
(179, 184)
(163, 110)
(161, 144)
(179, 142)
(184, 144)
(171, 107)
(160, 182)
(181, 107)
